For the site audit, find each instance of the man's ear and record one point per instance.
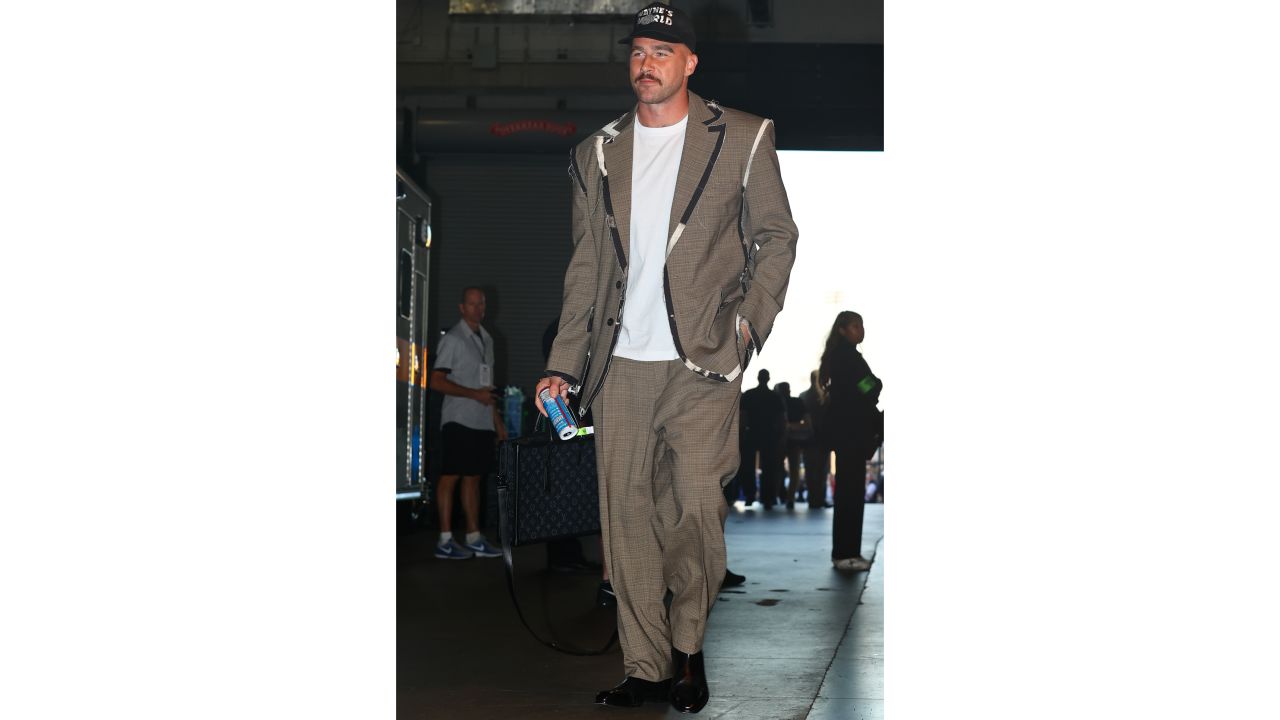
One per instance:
(690, 65)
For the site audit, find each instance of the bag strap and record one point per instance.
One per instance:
(505, 534)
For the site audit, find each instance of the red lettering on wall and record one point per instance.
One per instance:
(564, 129)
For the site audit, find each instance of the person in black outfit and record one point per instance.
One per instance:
(816, 453)
(854, 428)
(762, 430)
(798, 434)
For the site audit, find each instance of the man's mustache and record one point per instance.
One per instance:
(643, 76)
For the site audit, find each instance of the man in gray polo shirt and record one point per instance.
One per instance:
(469, 424)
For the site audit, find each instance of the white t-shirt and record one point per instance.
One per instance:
(655, 163)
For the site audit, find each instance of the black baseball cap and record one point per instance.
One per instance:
(662, 22)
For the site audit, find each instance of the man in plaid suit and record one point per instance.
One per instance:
(680, 215)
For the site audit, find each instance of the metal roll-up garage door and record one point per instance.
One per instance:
(502, 222)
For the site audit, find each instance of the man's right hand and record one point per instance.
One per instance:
(556, 384)
(483, 395)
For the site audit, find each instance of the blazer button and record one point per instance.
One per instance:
(618, 284)
(610, 322)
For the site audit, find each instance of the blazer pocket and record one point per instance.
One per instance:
(726, 313)
(727, 298)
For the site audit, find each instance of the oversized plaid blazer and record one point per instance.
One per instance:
(729, 253)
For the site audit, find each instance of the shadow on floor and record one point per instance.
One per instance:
(786, 644)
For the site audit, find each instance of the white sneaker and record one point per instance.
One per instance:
(855, 564)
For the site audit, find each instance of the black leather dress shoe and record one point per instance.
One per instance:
(732, 579)
(689, 692)
(632, 692)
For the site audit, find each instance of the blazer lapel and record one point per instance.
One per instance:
(617, 160)
(703, 138)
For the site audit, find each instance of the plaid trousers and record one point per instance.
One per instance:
(667, 442)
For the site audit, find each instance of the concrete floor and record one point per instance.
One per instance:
(798, 640)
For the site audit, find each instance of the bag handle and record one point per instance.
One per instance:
(546, 457)
(539, 422)
(505, 533)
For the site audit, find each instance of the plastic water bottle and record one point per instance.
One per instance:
(513, 399)
(558, 412)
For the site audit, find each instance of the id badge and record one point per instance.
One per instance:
(486, 375)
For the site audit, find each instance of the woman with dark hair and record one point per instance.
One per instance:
(854, 428)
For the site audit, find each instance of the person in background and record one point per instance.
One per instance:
(661, 314)
(764, 432)
(469, 424)
(798, 434)
(853, 427)
(875, 489)
(816, 453)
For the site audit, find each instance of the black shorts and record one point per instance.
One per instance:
(465, 451)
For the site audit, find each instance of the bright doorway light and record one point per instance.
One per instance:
(838, 202)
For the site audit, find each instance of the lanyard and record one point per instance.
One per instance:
(479, 340)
